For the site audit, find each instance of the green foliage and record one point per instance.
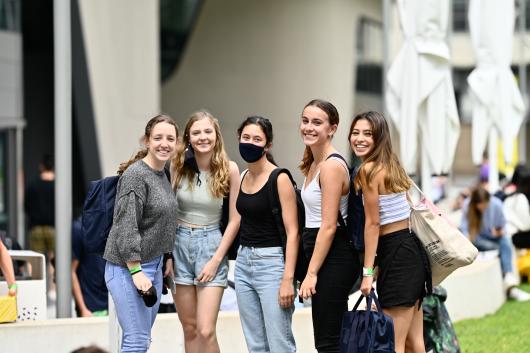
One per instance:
(504, 332)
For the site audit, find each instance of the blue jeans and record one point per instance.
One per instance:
(258, 275)
(485, 242)
(135, 318)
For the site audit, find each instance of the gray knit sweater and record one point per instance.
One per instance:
(145, 219)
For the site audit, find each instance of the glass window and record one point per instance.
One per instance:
(460, 15)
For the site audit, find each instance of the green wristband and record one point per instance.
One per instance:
(135, 269)
(12, 286)
(368, 272)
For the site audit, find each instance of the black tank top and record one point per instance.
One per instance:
(258, 228)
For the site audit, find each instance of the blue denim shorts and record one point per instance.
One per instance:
(194, 247)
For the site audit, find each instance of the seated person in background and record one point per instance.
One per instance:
(517, 210)
(88, 278)
(483, 221)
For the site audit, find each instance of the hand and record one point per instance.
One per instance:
(497, 232)
(85, 313)
(308, 287)
(141, 281)
(12, 292)
(209, 271)
(169, 269)
(366, 285)
(286, 294)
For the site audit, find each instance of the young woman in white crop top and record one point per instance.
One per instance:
(202, 177)
(334, 264)
(403, 276)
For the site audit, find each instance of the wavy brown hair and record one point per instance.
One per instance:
(333, 117)
(381, 156)
(219, 183)
(161, 118)
(474, 215)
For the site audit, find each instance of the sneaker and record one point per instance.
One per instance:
(510, 280)
(518, 295)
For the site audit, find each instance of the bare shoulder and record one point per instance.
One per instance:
(233, 168)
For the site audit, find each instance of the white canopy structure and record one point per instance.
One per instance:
(498, 105)
(420, 95)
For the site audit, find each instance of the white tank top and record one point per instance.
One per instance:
(312, 198)
(197, 205)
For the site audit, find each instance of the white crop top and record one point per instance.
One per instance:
(393, 208)
(312, 198)
(198, 206)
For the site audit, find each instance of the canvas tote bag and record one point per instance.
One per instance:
(446, 247)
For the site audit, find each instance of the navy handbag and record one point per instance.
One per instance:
(366, 331)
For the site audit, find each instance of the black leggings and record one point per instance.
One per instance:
(336, 278)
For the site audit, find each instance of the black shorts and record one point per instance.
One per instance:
(404, 270)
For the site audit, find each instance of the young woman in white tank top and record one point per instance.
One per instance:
(202, 177)
(334, 265)
(404, 272)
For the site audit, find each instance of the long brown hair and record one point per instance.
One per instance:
(474, 215)
(219, 183)
(381, 156)
(333, 117)
(161, 118)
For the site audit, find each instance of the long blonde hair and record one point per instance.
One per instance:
(161, 118)
(381, 156)
(218, 183)
(333, 117)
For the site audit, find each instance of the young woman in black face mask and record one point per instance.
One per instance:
(263, 278)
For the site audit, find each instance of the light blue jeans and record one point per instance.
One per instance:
(258, 275)
(485, 242)
(135, 318)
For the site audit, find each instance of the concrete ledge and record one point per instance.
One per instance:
(475, 290)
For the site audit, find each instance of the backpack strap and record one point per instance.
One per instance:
(276, 207)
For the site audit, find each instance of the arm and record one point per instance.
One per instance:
(371, 226)
(210, 269)
(6, 264)
(499, 219)
(287, 197)
(331, 193)
(76, 291)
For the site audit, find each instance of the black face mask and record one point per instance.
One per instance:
(191, 162)
(250, 152)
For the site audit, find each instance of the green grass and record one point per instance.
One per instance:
(507, 331)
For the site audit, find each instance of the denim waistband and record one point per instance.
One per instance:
(192, 230)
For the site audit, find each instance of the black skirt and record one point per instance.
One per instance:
(404, 270)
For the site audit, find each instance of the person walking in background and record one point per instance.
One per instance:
(484, 223)
(334, 265)
(142, 232)
(404, 276)
(88, 278)
(6, 265)
(202, 177)
(264, 277)
(39, 204)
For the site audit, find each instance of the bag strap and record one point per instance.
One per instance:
(275, 204)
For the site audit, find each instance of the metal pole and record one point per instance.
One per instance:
(63, 155)
(386, 50)
(522, 79)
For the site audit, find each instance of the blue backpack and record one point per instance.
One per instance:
(356, 219)
(98, 212)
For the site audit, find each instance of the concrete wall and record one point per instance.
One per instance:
(10, 79)
(269, 58)
(122, 48)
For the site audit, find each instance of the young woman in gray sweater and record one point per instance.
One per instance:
(143, 230)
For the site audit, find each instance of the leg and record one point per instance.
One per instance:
(134, 317)
(249, 304)
(208, 302)
(505, 253)
(414, 342)
(402, 318)
(185, 298)
(268, 273)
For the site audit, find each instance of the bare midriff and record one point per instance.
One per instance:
(393, 227)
